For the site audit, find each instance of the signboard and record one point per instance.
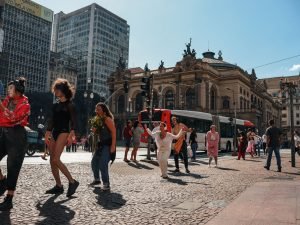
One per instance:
(32, 8)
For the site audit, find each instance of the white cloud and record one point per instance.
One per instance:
(295, 67)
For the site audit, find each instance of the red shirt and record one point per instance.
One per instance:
(18, 116)
(127, 133)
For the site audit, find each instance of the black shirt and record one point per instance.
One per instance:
(274, 135)
(63, 117)
(193, 138)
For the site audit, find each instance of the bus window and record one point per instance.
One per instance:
(226, 130)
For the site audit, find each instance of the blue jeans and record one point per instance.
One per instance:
(270, 153)
(100, 163)
(194, 147)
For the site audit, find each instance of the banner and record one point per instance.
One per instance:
(32, 8)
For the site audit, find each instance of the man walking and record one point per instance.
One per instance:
(180, 145)
(273, 144)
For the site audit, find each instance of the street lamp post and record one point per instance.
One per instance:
(88, 96)
(234, 131)
(290, 88)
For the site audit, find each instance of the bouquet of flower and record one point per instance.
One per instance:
(96, 122)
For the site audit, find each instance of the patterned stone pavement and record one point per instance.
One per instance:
(138, 194)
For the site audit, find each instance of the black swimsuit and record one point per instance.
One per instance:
(63, 119)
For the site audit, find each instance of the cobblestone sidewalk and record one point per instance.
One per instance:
(138, 194)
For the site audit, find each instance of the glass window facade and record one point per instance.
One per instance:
(27, 46)
(97, 38)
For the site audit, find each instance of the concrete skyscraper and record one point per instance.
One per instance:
(97, 38)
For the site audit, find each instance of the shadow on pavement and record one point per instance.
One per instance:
(252, 160)
(5, 218)
(109, 200)
(152, 162)
(139, 166)
(201, 162)
(194, 175)
(224, 168)
(55, 212)
(177, 181)
(297, 174)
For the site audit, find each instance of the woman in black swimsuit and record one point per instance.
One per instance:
(60, 132)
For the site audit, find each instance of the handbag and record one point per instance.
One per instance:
(189, 151)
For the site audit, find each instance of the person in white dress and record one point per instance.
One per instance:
(163, 140)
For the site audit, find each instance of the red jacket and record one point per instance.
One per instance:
(19, 116)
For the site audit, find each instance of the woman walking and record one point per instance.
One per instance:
(105, 147)
(14, 113)
(212, 138)
(136, 136)
(163, 140)
(242, 145)
(251, 143)
(193, 143)
(60, 132)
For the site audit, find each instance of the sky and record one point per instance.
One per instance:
(249, 33)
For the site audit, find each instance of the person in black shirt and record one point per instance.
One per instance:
(60, 132)
(193, 143)
(273, 144)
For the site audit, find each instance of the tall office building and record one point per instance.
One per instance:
(27, 38)
(96, 38)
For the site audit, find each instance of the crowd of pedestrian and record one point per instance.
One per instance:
(62, 125)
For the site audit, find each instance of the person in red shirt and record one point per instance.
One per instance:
(14, 113)
(127, 135)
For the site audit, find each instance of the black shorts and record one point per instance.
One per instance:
(128, 142)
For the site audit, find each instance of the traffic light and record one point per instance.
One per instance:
(126, 86)
(146, 87)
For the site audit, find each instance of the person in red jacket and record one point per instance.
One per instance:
(14, 113)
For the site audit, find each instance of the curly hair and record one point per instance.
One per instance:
(64, 86)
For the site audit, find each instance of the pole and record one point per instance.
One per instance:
(234, 134)
(150, 115)
(291, 93)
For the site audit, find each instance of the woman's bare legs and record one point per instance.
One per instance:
(133, 153)
(56, 149)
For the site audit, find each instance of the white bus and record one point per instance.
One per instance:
(201, 122)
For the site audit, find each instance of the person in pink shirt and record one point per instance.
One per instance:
(212, 138)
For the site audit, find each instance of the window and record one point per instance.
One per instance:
(139, 102)
(190, 98)
(169, 100)
(298, 122)
(155, 99)
(297, 107)
(225, 104)
(121, 104)
(297, 115)
(213, 99)
(283, 115)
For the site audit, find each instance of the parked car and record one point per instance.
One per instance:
(35, 142)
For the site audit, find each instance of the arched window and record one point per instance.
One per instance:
(121, 104)
(190, 98)
(241, 103)
(225, 104)
(169, 100)
(139, 103)
(213, 99)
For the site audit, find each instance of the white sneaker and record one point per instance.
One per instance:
(106, 187)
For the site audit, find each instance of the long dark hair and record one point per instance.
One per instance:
(136, 123)
(105, 109)
(65, 87)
